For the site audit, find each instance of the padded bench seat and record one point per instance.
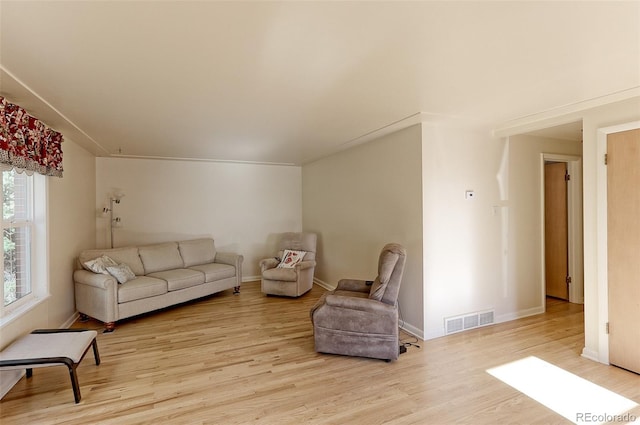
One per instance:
(51, 347)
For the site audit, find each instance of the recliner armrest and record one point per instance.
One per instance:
(361, 304)
(268, 263)
(302, 265)
(354, 285)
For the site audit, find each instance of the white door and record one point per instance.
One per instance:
(623, 259)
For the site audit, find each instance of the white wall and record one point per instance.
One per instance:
(71, 229)
(462, 237)
(242, 206)
(485, 253)
(524, 295)
(362, 198)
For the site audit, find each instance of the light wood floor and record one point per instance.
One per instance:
(249, 359)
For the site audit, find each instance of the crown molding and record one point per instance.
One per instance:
(224, 161)
(401, 124)
(21, 94)
(561, 115)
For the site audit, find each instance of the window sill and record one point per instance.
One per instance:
(22, 310)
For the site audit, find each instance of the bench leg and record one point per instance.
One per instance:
(74, 383)
(96, 355)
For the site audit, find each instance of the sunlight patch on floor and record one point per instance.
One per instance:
(572, 397)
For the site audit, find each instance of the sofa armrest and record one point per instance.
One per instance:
(96, 295)
(231, 259)
(97, 280)
(354, 285)
(360, 304)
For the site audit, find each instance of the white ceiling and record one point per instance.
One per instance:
(290, 82)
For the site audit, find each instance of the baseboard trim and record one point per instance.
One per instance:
(433, 334)
(9, 379)
(323, 284)
(251, 278)
(519, 314)
(590, 354)
(70, 321)
(418, 333)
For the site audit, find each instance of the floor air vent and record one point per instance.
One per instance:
(468, 321)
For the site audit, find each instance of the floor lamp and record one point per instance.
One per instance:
(113, 220)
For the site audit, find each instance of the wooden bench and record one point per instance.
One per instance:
(51, 347)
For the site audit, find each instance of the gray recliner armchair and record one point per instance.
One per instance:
(360, 318)
(290, 281)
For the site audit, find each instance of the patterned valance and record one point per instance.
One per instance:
(27, 143)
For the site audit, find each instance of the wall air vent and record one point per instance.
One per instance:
(453, 324)
(468, 321)
(471, 321)
(485, 318)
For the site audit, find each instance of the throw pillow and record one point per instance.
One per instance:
(121, 272)
(100, 264)
(291, 258)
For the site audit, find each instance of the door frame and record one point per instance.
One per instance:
(574, 226)
(601, 235)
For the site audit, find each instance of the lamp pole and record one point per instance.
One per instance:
(113, 220)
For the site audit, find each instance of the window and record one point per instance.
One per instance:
(23, 240)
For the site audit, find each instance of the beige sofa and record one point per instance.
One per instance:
(165, 274)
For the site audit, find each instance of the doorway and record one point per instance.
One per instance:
(562, 223)
(556, 230)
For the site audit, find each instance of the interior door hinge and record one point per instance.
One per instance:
(567, 176)
(568, 280)
(606, 328)
(606, 158)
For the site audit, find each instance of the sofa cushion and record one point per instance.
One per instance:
(141, 287)
(128, 256)
(197, 251)
(215, 271)
(286, 275)
(179, 278)
(121, 272)
(160, 257)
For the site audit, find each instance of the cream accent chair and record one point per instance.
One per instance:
(295, 281)
(360, 318)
